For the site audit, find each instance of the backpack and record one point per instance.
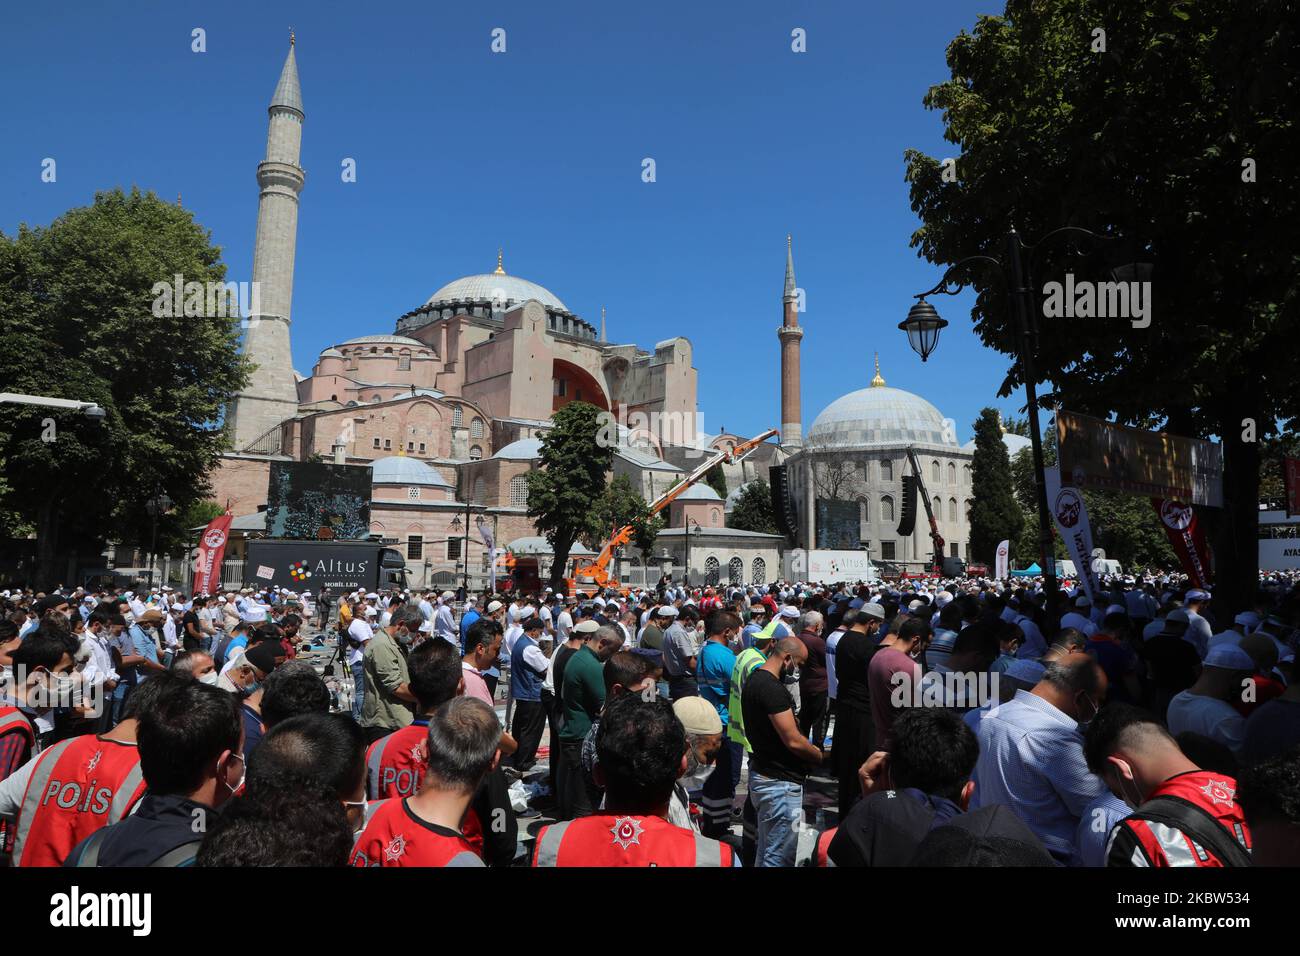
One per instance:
(1197, 825)
(182, 855)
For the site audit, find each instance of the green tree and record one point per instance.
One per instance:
(76, 321)
(753, 510)
(1158, 140)
(563, 492)
(994, 513)
(716, 480)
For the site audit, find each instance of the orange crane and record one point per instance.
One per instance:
(598, 571)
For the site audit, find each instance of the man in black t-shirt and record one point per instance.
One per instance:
(780, 758)
(1172, 662)
(191, 632)
(855, 731)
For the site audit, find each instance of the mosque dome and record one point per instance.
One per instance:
(699, 492)
(494, 287)
(525, 449)
(878, 415)
(400, 470)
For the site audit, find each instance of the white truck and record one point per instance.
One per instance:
(829, 566)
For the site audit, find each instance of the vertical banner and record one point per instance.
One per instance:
(212, 548)
(486, 534)
(1291, 478)
(1071, 517)
(1002, 566)
(1187, 537)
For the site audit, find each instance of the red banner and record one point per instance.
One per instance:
(212, 548)
(1187, 537)
(1291, 478)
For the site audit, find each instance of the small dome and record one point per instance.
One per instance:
(385, 340)
(400, 470)
(876, 416)
(526, 449)
(494, 286)
(331, 353)
(699, 492)
(1014, 443)
(539, 545)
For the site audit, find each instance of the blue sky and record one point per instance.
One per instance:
(539, 150)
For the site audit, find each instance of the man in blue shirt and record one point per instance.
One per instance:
(713, 675)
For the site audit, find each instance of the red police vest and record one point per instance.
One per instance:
(626, 841)
(1165, 846)
(394, 836)
(77, 786)
(823, 852)
(14, 721)
(395, 768)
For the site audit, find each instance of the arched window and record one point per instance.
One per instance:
(475, 453)
(476, 428)
(952, 473)
(458, 417)
(758, 572)
(887, 509)
(952, 510)
(404, 362)
(864, 515)
(887, 472)
(519, 492)
(934, 471)
(965, 476)
(736, 572)
(714, 517)
(938, 509)
(712, 571)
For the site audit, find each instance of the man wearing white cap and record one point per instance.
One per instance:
(1080, 617)
(1199, 631)
(1205, 708)
(444, 625)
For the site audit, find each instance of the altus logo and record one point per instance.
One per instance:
(299, 571)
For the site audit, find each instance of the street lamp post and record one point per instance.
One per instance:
(923, 325)
(690, 532)
(159, 504)
(464, 550)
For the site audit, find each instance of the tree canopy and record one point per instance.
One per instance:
(76, 322)
(753, 510)
(563, 493)
(1175, 129)
(994, 514)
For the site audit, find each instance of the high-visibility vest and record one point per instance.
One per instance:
(610, 840)
(14, 721)
(393, 837)
(77, 786)
(746, 663)
(395, 768)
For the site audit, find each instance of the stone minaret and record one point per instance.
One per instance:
(790, 334)
(271, 395)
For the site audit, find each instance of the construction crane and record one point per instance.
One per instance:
(598, 570)
(936, 563)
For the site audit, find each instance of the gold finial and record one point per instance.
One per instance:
(291, 38)
(500, 270)
(877, 381)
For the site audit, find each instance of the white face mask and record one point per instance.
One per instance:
(210, 678)
(695, 779)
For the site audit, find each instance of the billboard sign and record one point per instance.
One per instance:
(317, 501)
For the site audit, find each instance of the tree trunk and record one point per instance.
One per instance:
(560, 559)
(1236, 533)
(47, 531)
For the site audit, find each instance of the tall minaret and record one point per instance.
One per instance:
(790, 334)
(271, 395)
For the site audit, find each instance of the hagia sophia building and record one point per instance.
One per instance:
(449, 408)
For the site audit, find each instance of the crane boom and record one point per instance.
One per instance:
(936, 562)
(597, 570)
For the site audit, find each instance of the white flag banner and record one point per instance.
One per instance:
(1071, 517)
(1002, 567)
(485, 532)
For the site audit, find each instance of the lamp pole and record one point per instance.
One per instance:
(159, 504)
(923, 325)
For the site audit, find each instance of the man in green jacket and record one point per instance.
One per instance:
(388, 703)
(583, 694)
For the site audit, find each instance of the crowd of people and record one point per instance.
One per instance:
(935, 722)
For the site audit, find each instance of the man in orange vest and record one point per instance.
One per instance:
(17, 729)
(463, 745)
(396, 764)
(641, 748)
(78, 785)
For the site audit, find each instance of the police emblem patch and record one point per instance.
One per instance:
(94, 761)
(626, 831)
(396, 847)
(1219, 792)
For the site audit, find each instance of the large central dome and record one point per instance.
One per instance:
(494, 287)
(878, 415)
